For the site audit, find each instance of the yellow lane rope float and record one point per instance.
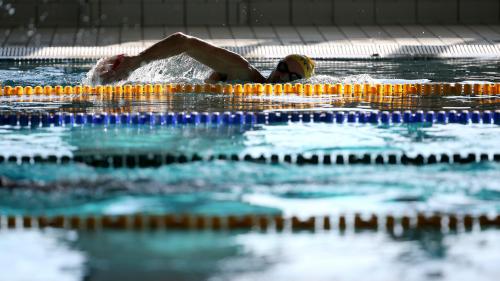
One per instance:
(439, 222)
(312, 90)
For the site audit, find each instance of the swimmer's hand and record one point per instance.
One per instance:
(117, 68)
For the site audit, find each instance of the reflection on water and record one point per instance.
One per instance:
(159, 255)
(188, 102)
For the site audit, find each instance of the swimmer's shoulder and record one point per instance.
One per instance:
(215, 77)
(251, 75)
(256, 76)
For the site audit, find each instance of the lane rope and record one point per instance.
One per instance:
(357, 222)
(425, 89)
(159, 159)
(249, 118)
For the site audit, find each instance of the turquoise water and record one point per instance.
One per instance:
(228, 187)
(225, 188)
(280, 138)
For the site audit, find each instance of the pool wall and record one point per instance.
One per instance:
(322, 29)
(72, 13)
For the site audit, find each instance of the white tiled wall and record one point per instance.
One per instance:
(206, 12)
(395, 11)
(437, 11)
(312, 12)
(58, 13)
(479, 11)
(265, 12)
(91, 13)
(20, 12)
(163, 12)
(354, 11)
(237, 12)
(120, 12)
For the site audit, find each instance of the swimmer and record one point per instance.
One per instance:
(226, 65)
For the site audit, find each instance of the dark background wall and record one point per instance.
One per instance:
(81, 13)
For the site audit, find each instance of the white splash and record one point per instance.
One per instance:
(352, 79)
(179, 69)
(184, 69)
(176, 69)
(91, 78)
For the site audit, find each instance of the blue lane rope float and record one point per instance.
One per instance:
(389, 223)
(250, 118)
(160, 159)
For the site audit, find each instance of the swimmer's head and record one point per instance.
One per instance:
(292, 67)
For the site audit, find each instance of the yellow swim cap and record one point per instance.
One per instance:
(305, 62)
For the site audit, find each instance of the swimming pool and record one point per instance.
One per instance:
(221, 187)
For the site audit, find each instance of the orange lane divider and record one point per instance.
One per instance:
(427, 89)
(256, 222)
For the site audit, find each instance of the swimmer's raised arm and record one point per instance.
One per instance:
(220, 60)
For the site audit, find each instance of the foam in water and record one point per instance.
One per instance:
(176, 69)
(179, 69)
(184, 69)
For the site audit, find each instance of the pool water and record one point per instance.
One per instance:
(238, 188)
(186, 70)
